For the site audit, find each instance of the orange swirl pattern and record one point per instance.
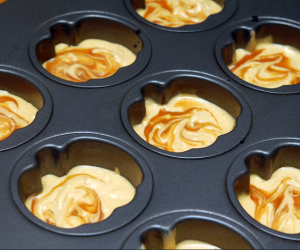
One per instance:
(160, 131)
(7, 123)
(285, 200)
(178, 13)
(88, 63)
(86, 208)
(267, 70)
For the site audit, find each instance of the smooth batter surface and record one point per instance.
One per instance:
(194, 244)
(90, 59)
(177, 13)
(169, 242)
(275, 203)
(15, 113)
(266, 64)
(85, 195)
(186, 122)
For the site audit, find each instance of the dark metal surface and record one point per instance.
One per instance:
(187, 186)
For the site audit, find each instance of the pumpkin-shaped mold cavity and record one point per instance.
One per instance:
(258, 52)
(162, 89)
(226, 8)
(58, 155)
(260, 164)
(20, 120)
(117, 36)
(183, 228)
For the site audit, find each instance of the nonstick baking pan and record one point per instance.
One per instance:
(91, 123)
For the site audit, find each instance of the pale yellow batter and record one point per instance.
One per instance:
(275, 203)
(15, 113)
(85, 195)
(194, 244)
(266, 64)
(185, 122)
(169, 242)
(90, 59)
(177, 13)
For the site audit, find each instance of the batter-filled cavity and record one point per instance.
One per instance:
(275, 203)
(85, 195)
(266, 64)
(90, 59)
(169, 242)
(177, 13)
(15, 113)
(185, 122)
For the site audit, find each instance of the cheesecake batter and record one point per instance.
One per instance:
(275, 203)
(15, 113)
(177, 13)
(90, 59)
(85, 195)
(186, 122)
(267, 65)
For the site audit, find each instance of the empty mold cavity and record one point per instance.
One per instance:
(169, 230)
(228, 8)
(58, 159)
(73, 29)
(31, 90)
(239, 36)
(263, 160)
(168, 85)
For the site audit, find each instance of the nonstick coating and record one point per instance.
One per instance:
(193, 187)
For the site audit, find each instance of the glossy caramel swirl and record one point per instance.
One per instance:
(15, 113)
(177, 13)
(268, 65)
(186, 122)
(91, 59)
(85, 195)
(276, 202)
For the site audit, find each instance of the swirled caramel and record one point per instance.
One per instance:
(90, 59)
(275, 203)
(85, 195)
(184, 123)
(267, 65)
(15, 113)
(177, 13)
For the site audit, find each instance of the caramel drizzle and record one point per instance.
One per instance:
(285, 191)
(86, 212)
(90, 64)
(7, 124)
(164, 137)
(164, 14)
(278, 67)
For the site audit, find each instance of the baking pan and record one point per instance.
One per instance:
(91, 123)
